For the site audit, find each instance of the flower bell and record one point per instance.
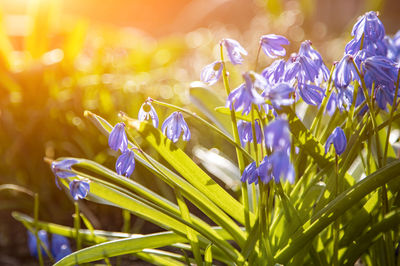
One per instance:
(60, 247)
(117, 139)
(147, 111)
(173, 127)
(338, 139)
(79, 188)
(211, 73)
(235, 50)
(271, 44)
(125, 163)
(42, 234)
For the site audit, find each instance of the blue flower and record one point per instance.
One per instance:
(174, 125)
(60, 247)
(147, 111)
(345, 72)
(271, 44)
(275, 72)
(281, 166)
(265, 170)
(211, 73)
(311, 94)
(277, 136)
(125, 163)
(62, 169)
(235, 50)
(246, 132)
(79, 189)
(309, 52)
(279, 94)
(250, 173)
(117, 139)
(342, 100)
(381, 70)
(245, 95)
(301, 68)
(32, 243)
(384, 95)
(338, 139)
(370, 26)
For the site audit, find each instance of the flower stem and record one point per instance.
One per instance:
(36, 219)
(77, 225)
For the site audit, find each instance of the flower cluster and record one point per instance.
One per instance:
(60, 246)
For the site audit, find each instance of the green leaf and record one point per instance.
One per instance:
(336, 208)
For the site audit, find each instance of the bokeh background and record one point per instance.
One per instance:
(61, 57)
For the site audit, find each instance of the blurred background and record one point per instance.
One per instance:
(59, 58)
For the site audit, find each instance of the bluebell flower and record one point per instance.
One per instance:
(281, 166)
(271, 44)
(275, 72)
(245, 95)
(384, 95)
(246, 132)
(62, 169)
(311, 94)
(338, 139)
(381, 70)
(277, 136)
(42, 234)
(342, 100)
(250, 173)
(174, 125)
(308, 51)
(117, 139)
(265, 170)
(301, 68)
(345, 72)
(60, 247)
(235, 50)
(147, 111)
(279, 94)
(79, 188)
(352, 47)
(370, 26)
(125, 163)
(393, 47)
(211, 73)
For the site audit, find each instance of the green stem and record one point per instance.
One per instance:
(77, 226)
(236, 138)
(127, 221)
(335, 259)
(36, 217)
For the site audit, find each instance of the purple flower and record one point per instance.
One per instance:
(275, 72)
(62, 168)
(384, 96)
(311, 94)
(117, 139)
(235, 50)
(245, 95)
(246, 132)
(125, 163)
(211, 73)
(370, 26)
(301, 68)
(342, 100)
(309, 52)
(147, 111)
(345, 72)
(282, 167)
(250, 173)
(338, 139)
(174, 125)
(79, 189)
(353, 46)
(279, 94)
(60, 247)
(381, 70)
(42, 234)
(277, 136)
(265, 170)
(271, 44)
